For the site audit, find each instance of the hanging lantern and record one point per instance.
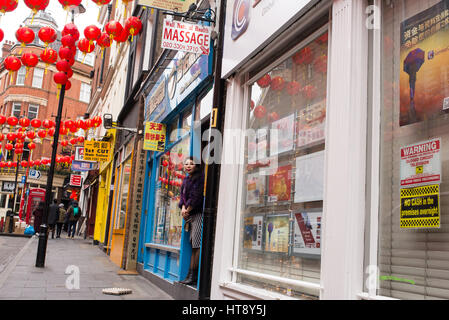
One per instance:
(12, 121)
(51, 132)
(37, 162)
(61, 79)
(62, 65)
(101, 2)
(89, 123)
(293, 88)
(79, 124)
(45, 161)
(133, 25)
(273, 116)
(2, 35)
(260, 112)
(309, 92)
(31, 163)
(2, 137)
(12, 64)
(36, 123)
(122, 37)
(47, 124)
(9, 146)
(2, 164)
(25, 36)
(64, 143)
(24, 122)
(8, 5)
(113, 29)
(36, 5)
(31, 146)
(104, 41)
(97, 121)
(277, 84)
(21, 136)
(47, 35)
(304, 56)
(73, 129)
(29, 60)
(63, 130)
(49, 56)
(17, 151)
(69, 73)
(73, 141)
(85, 46)
(92, 33)
(11, 136)
(264, 82)
(71, 29)
(66, 4)
(2, 119)
(42, 133)
(24, 163)
(68, 41)
(69, 123)
(320, 64)
(80, 139)
(9, 163)
(65, 53)
(68, 85)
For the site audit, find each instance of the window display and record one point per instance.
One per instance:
(284, 172)
(413, 245)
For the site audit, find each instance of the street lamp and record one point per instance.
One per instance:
(43, 236)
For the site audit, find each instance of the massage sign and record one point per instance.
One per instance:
(420, 185)
(187, 37)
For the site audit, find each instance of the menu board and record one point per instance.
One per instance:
(280, 183)
(276, 233)
(255, 189)
(253, 228)
(311, 125)
(307, 233)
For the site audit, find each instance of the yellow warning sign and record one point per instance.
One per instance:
(97, 151)
(420, 207)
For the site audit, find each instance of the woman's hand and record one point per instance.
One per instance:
(184, 213)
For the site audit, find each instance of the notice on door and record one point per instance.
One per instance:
(421, 164)
(420, 207)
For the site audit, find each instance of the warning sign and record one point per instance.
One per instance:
(420, 163)
(420, 207)
(97, 151)
(154, 139)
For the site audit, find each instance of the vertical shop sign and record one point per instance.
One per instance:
(421, 163)
(420, 207)
(154, 139)
(136, 208)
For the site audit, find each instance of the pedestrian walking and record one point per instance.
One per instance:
(38, 213)
(191, 205)
(53, 217)
(73, 215)
(61, 220)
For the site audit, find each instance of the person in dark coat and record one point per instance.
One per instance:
(61, 220)
(73, 215)
(191, 205)
(38, 213)
(53, 217)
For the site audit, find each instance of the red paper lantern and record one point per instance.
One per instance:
(113, 29)
(71, 29)
(24, 122)
(277, 84)
(29, 60)
(68, 3)
(24, 163)
(68, 85)
(69, 123)
(45, 161)
(46, 124)
(85, 46)
(63, 131)
(2, 35)
(80, 139)
(260, 112)
(31, 135)
(122, 37)
(31, 146)
(11, 136)
(51, 132)
(25, 35)
(104, 41)
(8, 5)
(2, 119)
(252, 105)
(320, 64)
(73, 141)
(9, 146)
(62, 65)
(309, 92)
(65, 53)
(265, 81)
(101, 2)
(2, 137)
(92, 33)
(133, 25)
(64, 143)
(32, 163)
(60, 78)
(20, 135)
(37, 5)
(36, 123)
(2, 164)
(9, 164)
(47, 35)
(293, 88)
(273, 116)
(37, 162)
(49, 56)
(73, 129)
(89, 123)
(304, 56)
(12, 121)
(97, 121)
(68, 41)
(69, 73)
(17, 151)
(42, 134)
(12, 63)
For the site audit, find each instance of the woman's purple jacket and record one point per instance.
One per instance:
(192, 193)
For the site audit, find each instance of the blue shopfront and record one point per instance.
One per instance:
(181, 98)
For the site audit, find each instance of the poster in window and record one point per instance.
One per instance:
(257, 145)
(279, 185)
(277, 233)
(307, 233)
(282, 135)
(311, 125)
(309, 180)
(252, 237)
(255, 189)
(424, 89)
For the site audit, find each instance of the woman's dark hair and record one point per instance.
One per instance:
(198, 169)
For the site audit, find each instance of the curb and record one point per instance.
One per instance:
(3, 234)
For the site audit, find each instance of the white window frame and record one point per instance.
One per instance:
(37, 111)
(85, 94)
(37, 81)
(21, 73)
(13, 109)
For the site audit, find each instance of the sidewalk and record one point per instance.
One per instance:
(20, 279)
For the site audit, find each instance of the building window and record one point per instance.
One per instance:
(33, 111)
(38, 77)
(414, 140)
(282, 188)
(85, 92)
(88, 59)
(16, 109)
(21, 76)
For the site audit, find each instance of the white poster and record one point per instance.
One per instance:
(255, 189)
(309, 180)
(282, 135)
(252, 238)
(307, 233)
(250, 24)
(421, 163)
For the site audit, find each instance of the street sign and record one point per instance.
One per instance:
(34, 174)
(97, 151)
(75, 180)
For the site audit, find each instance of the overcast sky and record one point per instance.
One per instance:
(12, 20)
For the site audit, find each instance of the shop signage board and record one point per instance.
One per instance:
(75, 180)
(250, 25)
(182, 76)
(8, 186)
(169, 5)
(189, 37)
(154, 138)
(83, 165)
(421, 163)
(97, 151)
(420, 207)
(34, 174)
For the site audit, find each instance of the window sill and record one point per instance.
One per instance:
(241, 291)
(162, 247)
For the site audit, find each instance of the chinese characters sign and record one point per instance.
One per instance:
(154, 139)
(97, 151)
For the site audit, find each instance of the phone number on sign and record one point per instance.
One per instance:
(178, 46)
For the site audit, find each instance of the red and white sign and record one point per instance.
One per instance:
(75, 180)
(187, 37)
(420, 163)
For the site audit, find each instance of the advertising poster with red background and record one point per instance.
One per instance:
(424, 57)
(280, 184)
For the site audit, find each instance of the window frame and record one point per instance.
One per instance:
(32, 105)
(13, 107)
(19, 75)
(33, 83)
(83, 92)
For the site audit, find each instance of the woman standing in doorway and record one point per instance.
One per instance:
(191, 205)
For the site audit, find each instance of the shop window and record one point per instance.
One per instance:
(186, 122)
(413, 237)
(172, 131)
(282, 186)
(167, 216)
